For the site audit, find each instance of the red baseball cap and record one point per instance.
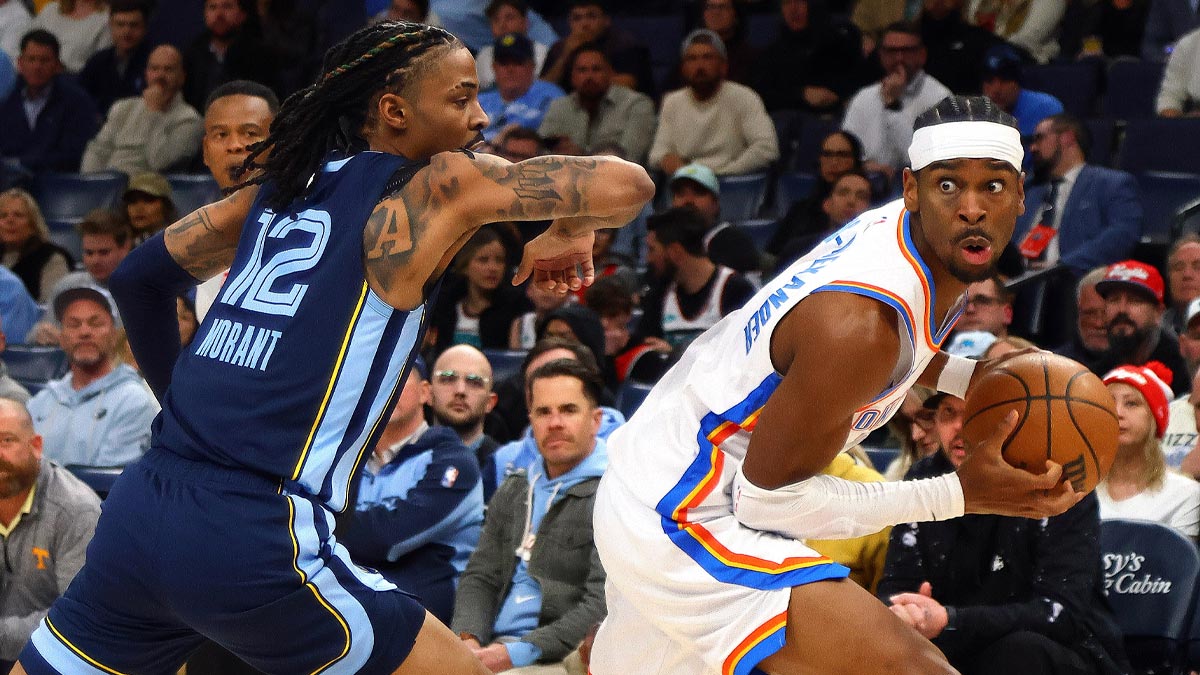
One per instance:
(1131, 274)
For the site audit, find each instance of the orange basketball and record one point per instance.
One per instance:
(1066, 415)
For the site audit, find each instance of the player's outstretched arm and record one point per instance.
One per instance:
(204, 241)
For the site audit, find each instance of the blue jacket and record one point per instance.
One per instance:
(527, 111)
(63, 129)
(1101, 221)
(418, 520)
(18, 310)
(1033, 107)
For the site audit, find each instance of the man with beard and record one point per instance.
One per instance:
(461, 396)
(599, 112)
(696, 187)
(722, 125)
(47, 517)
(1090, 339)
(1133, 309)
(99, 414)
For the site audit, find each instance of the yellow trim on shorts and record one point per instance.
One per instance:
(311, 587)
(79, 652)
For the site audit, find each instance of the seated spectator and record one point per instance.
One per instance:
(519, 97)
(598, 112)
(579, 323)
(881, 115)
(18, 311)
(478, 304)
(873, 17)
(530, 595)
(48, 517)
(696, 187)
(1133, 307)
(1167, 23)
(8, 76)
(119, 71)
(1189, 338)
(149, 206)
(1183, 279)
(815, 64)
(1109, 28)
(1006, 345)
(14, 23)
(289, 34)
(1179, 94)
(722, 125)
(230, 48)
(614, 302)
(9, 388)
(1183, 452)
(517, 144)
(415, 11)
(1002, 83)
(81, 27)
(690, 293)
(523, 334)
(504, 17)
(1139, 486)
(850, 197)
(727, 19)
(610, 262)
(989, 307)
(47, 119)
(863, 555)
(1032, 26)
(25, 246)
(98, 414)
(461, 397)
(589, 22)
(913, 426)
(998, 594)
(156, 131)
(1089, 341)
(841, 153)
(419, 504)
(956, 48)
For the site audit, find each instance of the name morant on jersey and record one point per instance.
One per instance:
(239, 344)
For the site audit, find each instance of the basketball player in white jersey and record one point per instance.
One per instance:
(715, 482)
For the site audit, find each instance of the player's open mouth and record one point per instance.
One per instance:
(977, 250)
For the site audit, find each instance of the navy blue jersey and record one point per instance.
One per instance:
(298, 361)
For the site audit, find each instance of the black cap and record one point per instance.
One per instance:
(93, 293)
(513, 47)
(1002, 61)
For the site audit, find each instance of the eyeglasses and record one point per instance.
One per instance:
(472, 380)
(838, 154)
(910, 49)
(982, 300)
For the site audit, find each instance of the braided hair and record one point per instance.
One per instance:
(964, 109)
(329, 114)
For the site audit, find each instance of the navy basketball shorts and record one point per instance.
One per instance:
(186, 550)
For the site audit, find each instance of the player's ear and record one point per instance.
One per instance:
(909, 179)
(1021, 193)
(394, 111)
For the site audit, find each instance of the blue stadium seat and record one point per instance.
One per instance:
(63, 233)
(1103, 131)
(191, 191)
(69, 196)
(808, 132)
(1150, 579)
(742, 196)
(661, 35)
(99, 478)
(763, 28)
(1077, 85)
(631, 395)
(759, 229)
(1164, 195)
(1132, 88)
(505, 362)
(882, 457)
(34, 366)
(783, 120)
(1161, 145)
(792, 187)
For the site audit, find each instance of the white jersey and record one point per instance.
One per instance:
(679, 329)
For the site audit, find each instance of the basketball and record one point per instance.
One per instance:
(1066, 415)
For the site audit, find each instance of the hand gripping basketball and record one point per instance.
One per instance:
(992, 485)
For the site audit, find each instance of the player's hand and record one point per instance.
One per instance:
(992, 485)
(921, 611)
(495, 657)
(985, 366)
(558, 261)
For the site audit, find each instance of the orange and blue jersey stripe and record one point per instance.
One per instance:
(758, 645)
(933, 337)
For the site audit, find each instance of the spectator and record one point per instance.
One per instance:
(517, 144)
(47, 119)
(119, 71)
(149, 206)
(523, 333)
(988, 308)
(874, 16)
(851, 196)
(48, 517)
(598, 112)
(1089, 341)
(1189, 338)
(466, 20)
(840, 154)
(98, 414)
(156, 131)
(1032, 26)
(461, 397)
(1183, 279)
(691, 293)
(580, 324)
(230, 48)
(1133, 307)
(531, 593)
(1179, 94)
(1184, 412)
(1110, 28)
(696, 187)
(419, 504)
(1006, 345)
(956, 48)
(14, 23)
(18, 311)
(610, 262)
(8, 76)
(1094, 212)
(1169, 20)
(881, 115)
(478, 304)
(863, 555)
(289, 35)
(504, 17)
(9, 388)
(913, 426)
(727, 19)
(25, 246)
(589, 21)
(1000, 594)
(613, 302)
(722, 125)
(1002, 84)
(81, 27)
(415, 11)
(1139, 486)
(815, 64)
(519, 98)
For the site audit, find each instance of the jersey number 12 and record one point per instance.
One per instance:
(253, 287)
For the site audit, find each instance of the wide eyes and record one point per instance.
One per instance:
(946, 186)
(995, 187)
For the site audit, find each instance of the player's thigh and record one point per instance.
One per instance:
(836, 627)
(438, 651)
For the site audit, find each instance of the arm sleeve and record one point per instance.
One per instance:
(1040, 26)
(53, 271)
(1120, 227)
(663, 144)
(762, 146)
(522, 653)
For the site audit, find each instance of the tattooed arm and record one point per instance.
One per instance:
(204, 241)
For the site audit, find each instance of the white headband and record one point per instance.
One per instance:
(971, 140)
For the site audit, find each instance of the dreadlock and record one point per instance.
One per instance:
(328, 114)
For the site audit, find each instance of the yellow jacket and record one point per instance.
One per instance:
(863, 555)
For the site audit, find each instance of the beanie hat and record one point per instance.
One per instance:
(1153, 380)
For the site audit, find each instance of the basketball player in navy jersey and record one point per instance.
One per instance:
(224, 528)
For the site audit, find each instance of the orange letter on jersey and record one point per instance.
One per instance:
(42, 555)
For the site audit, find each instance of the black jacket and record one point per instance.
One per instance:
(1004, 575)
(495, 322)
(106, 84)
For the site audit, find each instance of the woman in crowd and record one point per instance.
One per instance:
(25, 245)
(1139, 486)
(148, 205)
(913, 426)
(478, 304)
(841, 153)
(81, 27)
(523, 333)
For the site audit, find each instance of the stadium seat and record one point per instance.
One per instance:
(64, 233)
(882, 457)
(661, 34)
(1103, 131)
(69, 196)
(1150, 580)
(505, 362)
(759, 229)
(631, 395)
(99, 478)
(808, 132)
(791, 188)
(1075, 84)
(742, 196)
(1161, 145)
(1164, 195)
(34, 366)
(191, 191)
(1132, 88)
(762, 29)
(783, 120)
